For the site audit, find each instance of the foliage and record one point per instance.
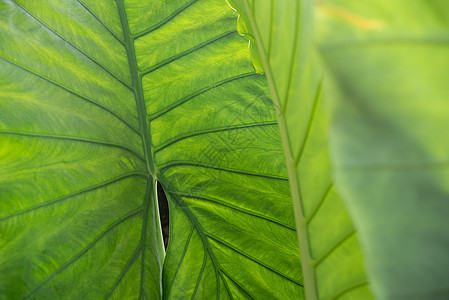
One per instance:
(100, 100)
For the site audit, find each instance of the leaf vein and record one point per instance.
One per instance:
(215, 130)
(293, 57)
(345, 237)
(73, 138)
(201, 272)
(238, 284)
(309, 125)
(73, 46)
(85, 250)
(349, 289)
(181, 260)
(122, 274)
(199, 229)
(309, 218)
(166, 20)
(200, 165)
(76, 193)
(172, 106)
(73, 92)
(100, 21)
(143, 236)
(232, 247)
(185, 53)
(242, 210)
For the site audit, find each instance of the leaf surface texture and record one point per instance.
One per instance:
(98, 100)
(331, 256)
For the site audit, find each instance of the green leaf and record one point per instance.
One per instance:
(98, 100)
(388, 62)
(330, 251)
(77, 211)
(218, 155)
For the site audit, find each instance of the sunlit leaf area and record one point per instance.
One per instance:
(213, 149)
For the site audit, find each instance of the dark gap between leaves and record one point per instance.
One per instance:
(163, 213)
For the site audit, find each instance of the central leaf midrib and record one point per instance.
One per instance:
(144, 130)
(136, 77)
(137, 87)
(307, 268)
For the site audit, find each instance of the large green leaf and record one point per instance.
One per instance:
(389, 65)
(217, 151)
(330, 252)
(78, 216)
(98, 100)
